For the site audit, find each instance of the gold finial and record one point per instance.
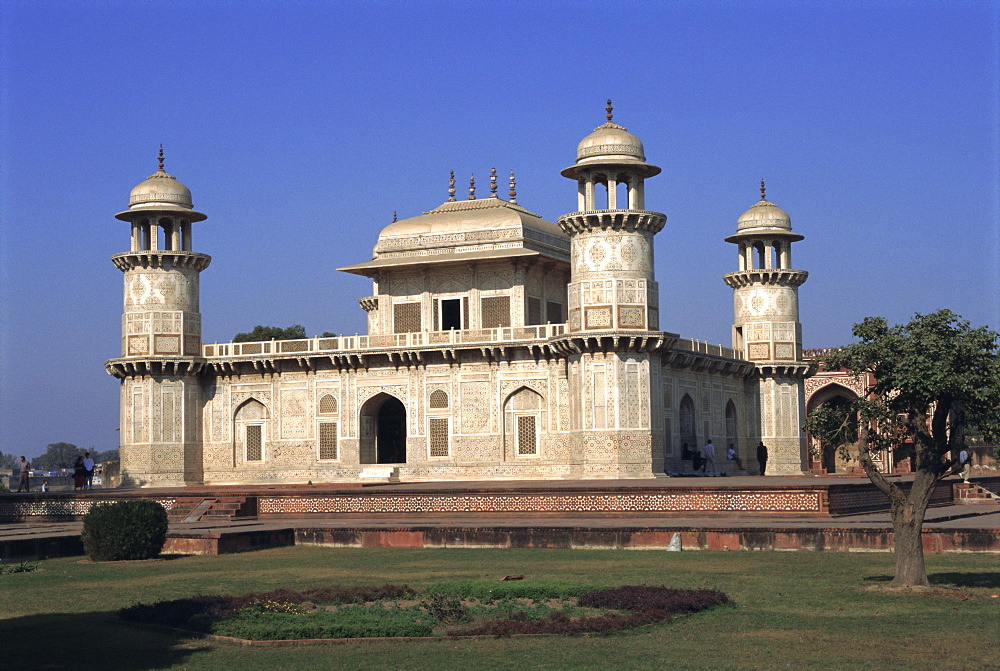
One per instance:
(762, 189)
(493, 183)
(394, 216)
(513, 189)
(472, 187)
(451, 187)
(610, 109)
(161, 157)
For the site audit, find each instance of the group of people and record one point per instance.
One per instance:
(704, 460)
(83, 474)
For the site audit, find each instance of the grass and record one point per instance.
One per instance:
(793, 610)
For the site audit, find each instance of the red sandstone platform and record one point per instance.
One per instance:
(636, 514)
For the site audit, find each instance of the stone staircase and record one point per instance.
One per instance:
(973, 493)
(189, 509)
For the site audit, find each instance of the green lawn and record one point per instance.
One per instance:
(794, 610)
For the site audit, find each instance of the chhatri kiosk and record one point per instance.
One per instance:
(500, 346)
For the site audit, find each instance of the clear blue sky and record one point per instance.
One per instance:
(301, 126)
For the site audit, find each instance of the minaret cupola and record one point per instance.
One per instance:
(161, 311)
(766, 300)
(612, 285)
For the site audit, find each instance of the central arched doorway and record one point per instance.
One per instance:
(390, 432)
(383, 431)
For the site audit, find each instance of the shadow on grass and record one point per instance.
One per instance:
(950, 579)
(96, 640)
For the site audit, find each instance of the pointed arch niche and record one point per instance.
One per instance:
(685, 422)
(523, 423)
(732, 427)
(250, 432)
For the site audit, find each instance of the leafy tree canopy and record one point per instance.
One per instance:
(259, 333)
(63, 455)
(56, 456)
(931, 377)
(7, 461)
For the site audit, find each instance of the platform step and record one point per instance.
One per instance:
(199, 510)
(384, 473)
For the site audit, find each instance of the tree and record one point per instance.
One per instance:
(932, 377)
(259, 333)
(57, 455)
(7, 461)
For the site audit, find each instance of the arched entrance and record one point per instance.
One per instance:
(383, 431)
(829, 457)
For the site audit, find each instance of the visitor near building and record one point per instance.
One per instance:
(965, 464)
(708, 456)
(88, 465)
(79, 474)
(762, 457)
(732, 456)
(25, 472)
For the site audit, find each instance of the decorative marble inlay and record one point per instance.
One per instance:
(528, 503)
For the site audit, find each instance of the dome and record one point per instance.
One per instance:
(467, 222)
(610, 142)
(610, 145)
(464, 231)
(160, 192)
(160, 188)
(764, 218)
(764, 214)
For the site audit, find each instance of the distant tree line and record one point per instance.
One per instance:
(57, 456)
(262, 333)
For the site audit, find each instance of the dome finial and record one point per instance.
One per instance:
(513, 189)
(609, 109)
(472, 187)
(394, 216)
(161, 157)
(451, 187)
(763, 191)
(493, 183)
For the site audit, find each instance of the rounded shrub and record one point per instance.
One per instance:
(124, 530)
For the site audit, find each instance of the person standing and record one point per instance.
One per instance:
(762, 457)
(25, 472)
(965, 463)
(88, 465)
(79, 474)
(708, 455)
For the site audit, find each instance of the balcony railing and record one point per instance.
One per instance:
(389, 341)
(396, 341)
(692, 345)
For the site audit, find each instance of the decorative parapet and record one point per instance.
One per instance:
(818, 353)
(132, 367)
(498, 344)
(629, 220)
(161, 259)
(745, 278)
(389, 341)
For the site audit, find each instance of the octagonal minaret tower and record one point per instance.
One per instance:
(613, 307)
(766, 329)
(611, 248)
(161, 335)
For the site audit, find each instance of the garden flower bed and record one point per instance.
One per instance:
(467, 608)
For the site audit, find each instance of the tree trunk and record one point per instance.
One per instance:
(907, 524)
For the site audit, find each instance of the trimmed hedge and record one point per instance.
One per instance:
(124, 530)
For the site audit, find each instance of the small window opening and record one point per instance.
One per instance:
(451, 314)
